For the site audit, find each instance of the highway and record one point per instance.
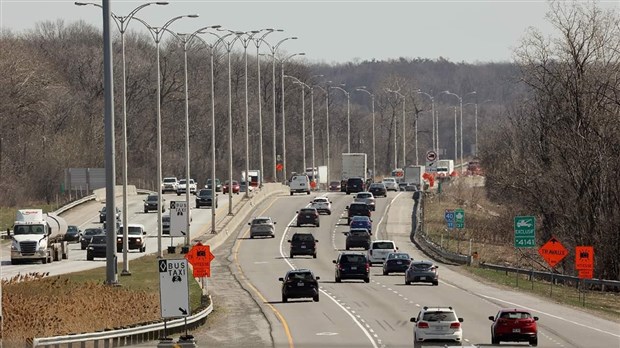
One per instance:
(87, 215)
(356, 314)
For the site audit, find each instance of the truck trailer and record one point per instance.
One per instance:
(354, 165)
(38, 236)
(415, 175)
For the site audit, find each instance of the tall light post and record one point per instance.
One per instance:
(122, 22)
(432, 118)
(372, 98)
(461, 120)
(476, 122)
(257, 43)
(326, 90)
(273, 50)
(314, 174)
(348, 115)
(157, 33)
(283, 114)
(403, 125)
(303, 117)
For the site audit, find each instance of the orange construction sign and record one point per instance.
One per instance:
(200, 256)
(584, 257)
(279, 167)
(586, 273)
(553, 252)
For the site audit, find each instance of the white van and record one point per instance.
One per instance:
(379, 250)
(300, 183)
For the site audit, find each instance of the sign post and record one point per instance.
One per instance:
(553, 252)
(459, 219)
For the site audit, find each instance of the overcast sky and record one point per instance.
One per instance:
(332, 31)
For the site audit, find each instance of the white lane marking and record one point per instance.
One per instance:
(387, 209)
(326, 333)
(370, 338)
(551, 315)
(260, 262)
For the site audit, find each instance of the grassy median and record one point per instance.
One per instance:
(37, 306)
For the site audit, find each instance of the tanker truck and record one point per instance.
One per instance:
(38, 236)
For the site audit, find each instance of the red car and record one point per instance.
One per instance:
(235, 187)
(514, 325)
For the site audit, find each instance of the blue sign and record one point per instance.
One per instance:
(449, 216)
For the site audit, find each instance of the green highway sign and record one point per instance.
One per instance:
(459, 218)
(525, 231)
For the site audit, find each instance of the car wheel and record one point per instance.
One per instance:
(90, 258)
(83, 247)
(494, 340)
(307, 192)
(435, 283)
(407, 282)
(146, 211)
(178, 193)
(534, 342)
(314, 256)
(119, 250)
(316, 298)
(298, 224)
(291, 255)
(367, 280)
(317, 225)
(338, 280)
(386, 272)
(251, 237)
(143, 249)
(347, 247)
(284, 299)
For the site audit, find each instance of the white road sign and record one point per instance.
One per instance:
(178, 220)
(174, 288)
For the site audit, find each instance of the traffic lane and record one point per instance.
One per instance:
(264, 264)
(558, 324)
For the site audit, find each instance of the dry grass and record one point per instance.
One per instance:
(38, 306)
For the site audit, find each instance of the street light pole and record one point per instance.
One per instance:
(122, 22)
(326, 90)
(403, 125)
(156, 33)
(283, 113)
(372, 98)
(348, 115)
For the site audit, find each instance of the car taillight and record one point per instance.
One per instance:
(367, 267)
(455, 325)
(422, 325)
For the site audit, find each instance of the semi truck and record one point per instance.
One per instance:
(354, 165)
(38, 237)
(415, 175)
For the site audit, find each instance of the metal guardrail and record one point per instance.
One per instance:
(129, 335)
(548, 276)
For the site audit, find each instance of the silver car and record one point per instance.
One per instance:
(366, 197)
(262, 226)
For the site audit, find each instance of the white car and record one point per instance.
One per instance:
(169, 184)
(181, 187)
(437, 323)
(380, 249)
(366, 197)
(390, 184)
(323, 205)
(262, 226)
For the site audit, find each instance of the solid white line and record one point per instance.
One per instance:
(387, 209)
(551, 315)
(372, 341)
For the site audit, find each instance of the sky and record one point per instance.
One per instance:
(332, 31)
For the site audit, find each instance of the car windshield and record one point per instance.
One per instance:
(303, 237)
(99, 240)
(357, 258)
(29, 229)
(439, 316)
(389, 180)
(383, 245)
(398, 257)
(182, 181)
(169, 180)
(72, 229)
(515, 315)
(152, 198)
(133, 230)
(260, 221)
(92, 231)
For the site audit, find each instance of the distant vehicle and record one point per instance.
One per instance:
(103, 214)
(354, 165)
(473, 167)
(169, 184)
(300, 283)
(343, 186)
(300, 183)
(205, 198)
(422, 272)
(303, 244)
(361, 221)
(334, 186)
(415, 175)
(396, 262)
(365, 197)
(136, 238)
(88, 235)
(437, 323)
(380, 249)
(218, 185)
(151, 202)
(445, 168)
(355, 209)
(165, 224)
(402, 185)
(308, 216)
(357, 238)
(355, 185)
(235, 188)
(322, 205)
(262, 226)
(182, 186)
(352, 265)
(97, 247)
(38, 236)
(390, 184)
(378, 189)
(514, 325)
(73, 234)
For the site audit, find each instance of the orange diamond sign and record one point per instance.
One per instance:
(200, 257)
(553, 252)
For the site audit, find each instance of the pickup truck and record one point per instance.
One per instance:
(181, 187)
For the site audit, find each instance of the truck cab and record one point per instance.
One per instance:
(38, 237)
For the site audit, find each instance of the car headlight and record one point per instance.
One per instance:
(91, 248)
(14, 246)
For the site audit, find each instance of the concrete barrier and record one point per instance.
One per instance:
(118, 191)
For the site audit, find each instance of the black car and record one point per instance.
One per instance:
(355, 185)
(343, 186)
(218, 185)
(357, 238)
(150, 203)
(97, 247)
(357, 209)
(73, 234)
(88, 234)
(377, 189)
(102, 215)
(300, 283)
(308, 216)
(303, 244)
(205, 198)
(352, 265)
(396, 262)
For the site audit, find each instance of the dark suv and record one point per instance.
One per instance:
(303, 244)
(300, 283)
(357, 209)
(97, 247)
(308, 216)
(357, 238)
(352, 265)
(355, 185)
(205, 198)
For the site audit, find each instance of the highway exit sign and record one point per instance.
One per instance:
(525, 231)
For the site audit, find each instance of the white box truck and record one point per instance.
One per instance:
(255, 178)
(414, 175)
(354, 165)
(445, 168)
(38, 236)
